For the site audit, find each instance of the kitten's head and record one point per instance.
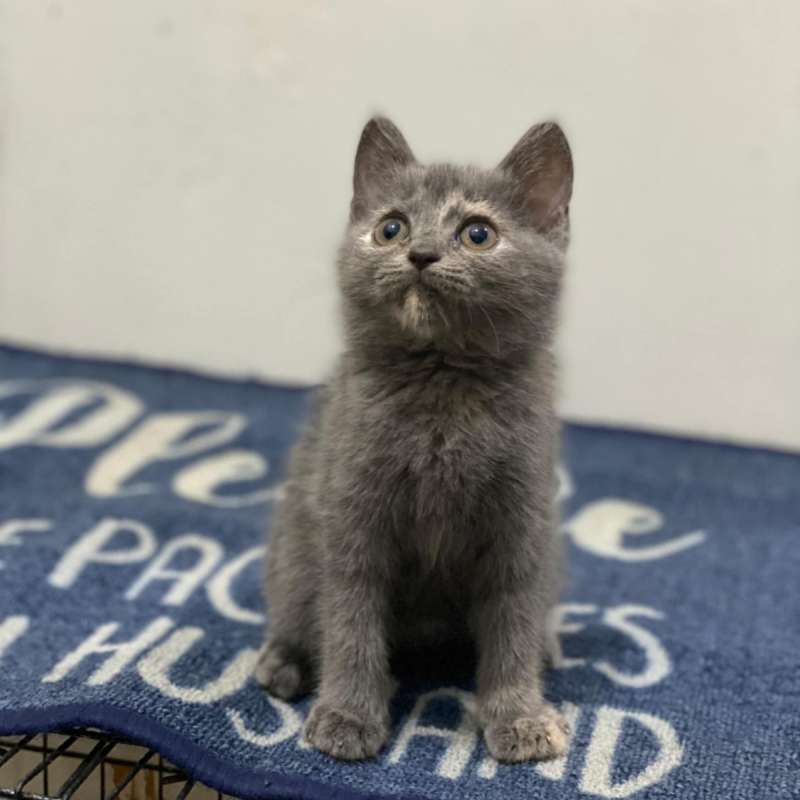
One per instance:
(456, 258)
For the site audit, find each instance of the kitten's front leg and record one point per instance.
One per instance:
(511, 636)
(350, 719)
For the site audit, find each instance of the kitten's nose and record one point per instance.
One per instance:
(423, 258)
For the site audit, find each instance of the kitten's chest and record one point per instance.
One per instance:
(436, 456)
(448, 443)
(446, 454)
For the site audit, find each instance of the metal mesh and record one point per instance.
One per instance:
(87, 764)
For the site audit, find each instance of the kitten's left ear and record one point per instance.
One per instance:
(541, 164)
(382, 151)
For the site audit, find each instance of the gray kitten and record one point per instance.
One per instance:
(420, 502)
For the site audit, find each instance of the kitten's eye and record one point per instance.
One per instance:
(391, 230)
(478, 235)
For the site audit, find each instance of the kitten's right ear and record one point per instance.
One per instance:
(382, 151)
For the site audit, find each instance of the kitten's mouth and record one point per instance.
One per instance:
(443, 286)
(417, 308)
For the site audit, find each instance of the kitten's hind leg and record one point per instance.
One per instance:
(286, 665)
(284, 670)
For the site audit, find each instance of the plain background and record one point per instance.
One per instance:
(175, 177)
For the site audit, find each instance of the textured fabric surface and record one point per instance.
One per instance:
(132, 506)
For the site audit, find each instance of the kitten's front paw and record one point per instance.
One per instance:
(343, 734)
(538, 738)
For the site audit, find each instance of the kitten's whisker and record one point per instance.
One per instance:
(388, 274)
(442, 315)
(496, 337)
(450, 283)
(469, 313)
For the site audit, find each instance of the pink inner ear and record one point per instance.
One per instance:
(541, 163)
(553, 199)
(381, 151)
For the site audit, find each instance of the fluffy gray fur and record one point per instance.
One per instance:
(420, 501)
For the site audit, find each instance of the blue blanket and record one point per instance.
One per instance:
(133, 502)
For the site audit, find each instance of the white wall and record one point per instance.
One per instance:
(176, 175)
